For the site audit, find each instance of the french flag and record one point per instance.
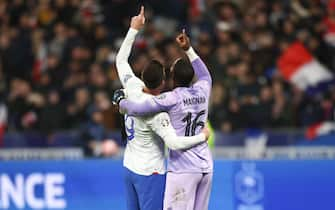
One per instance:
(298, 66)
(319, 129)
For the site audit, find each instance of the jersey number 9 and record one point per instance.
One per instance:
(129, 124)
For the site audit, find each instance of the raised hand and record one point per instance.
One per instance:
(137, 22)
(183, 40)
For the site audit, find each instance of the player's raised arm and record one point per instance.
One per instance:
(163, 102)
(161, 125)
(198, 65)
(123, 68)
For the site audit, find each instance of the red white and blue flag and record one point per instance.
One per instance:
(319, 129)
(298, 66)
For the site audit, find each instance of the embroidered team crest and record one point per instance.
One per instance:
(165, 122)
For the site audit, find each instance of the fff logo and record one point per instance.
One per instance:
(249, 188)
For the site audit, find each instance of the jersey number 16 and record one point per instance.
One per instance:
(191, 125)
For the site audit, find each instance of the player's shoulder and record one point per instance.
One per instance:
(203, 86)
(133, 82)
(136, 94)
(161, 115)
(168, 99)
(167, 95)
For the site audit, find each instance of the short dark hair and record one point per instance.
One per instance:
(183, 73)
(153, 74)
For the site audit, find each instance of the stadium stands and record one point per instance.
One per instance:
(58, 65)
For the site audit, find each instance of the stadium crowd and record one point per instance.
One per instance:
(58, 59)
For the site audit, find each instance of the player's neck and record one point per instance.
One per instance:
(154, 92)
(181, 86)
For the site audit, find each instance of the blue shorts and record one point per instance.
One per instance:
(144, 192)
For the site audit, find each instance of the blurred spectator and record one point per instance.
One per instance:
(52, 116)
(24, 105)
(281, 112)
(329, 22)
(218, 100)
(78, 110)
(3, 120)
(95, 138)
(234, 119)
(98, 80)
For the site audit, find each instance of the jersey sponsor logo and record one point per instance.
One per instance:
(194, 101)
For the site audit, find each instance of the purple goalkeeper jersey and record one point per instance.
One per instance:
(188, 117)
(188, 110)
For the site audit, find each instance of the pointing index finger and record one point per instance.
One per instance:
(142, 11)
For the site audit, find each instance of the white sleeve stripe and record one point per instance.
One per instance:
(191, 54)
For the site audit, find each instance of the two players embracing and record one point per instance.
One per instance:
(177, 117)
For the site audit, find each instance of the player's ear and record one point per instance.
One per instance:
(161, 86)
(163, 83)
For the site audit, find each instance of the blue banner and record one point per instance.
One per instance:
(274, 185)
(72, 185)
(98, 184)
